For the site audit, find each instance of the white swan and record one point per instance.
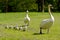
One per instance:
(27, 19)
(47, 23)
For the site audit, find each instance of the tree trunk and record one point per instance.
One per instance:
(43, 6)
(6, 5)
(58, 4)
(39, 7)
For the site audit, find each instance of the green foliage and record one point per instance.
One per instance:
(23, 5)
(26, 4)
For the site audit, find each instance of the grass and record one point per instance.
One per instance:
(36, 18)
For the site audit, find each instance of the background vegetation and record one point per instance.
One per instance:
(31, 5)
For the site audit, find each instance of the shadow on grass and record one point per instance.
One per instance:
(38, 33)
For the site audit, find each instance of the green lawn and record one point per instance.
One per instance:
(36, 18)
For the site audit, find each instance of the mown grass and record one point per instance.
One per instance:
(36, 18)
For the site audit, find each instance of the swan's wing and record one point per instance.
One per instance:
(27, 19)
(46, 23)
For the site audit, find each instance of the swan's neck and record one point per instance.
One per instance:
(50, 13)
(26, 14)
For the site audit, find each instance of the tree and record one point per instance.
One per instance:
(40, 4)
(43, 6)
(27, 4)
(31, 5)
(58, 5)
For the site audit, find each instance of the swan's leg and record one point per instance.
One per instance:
(48, 30)
(40, 30)
(28, 24)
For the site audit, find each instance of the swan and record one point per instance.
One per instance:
(47, 23)
(6, 26)
(23, 27)
(27, 19)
